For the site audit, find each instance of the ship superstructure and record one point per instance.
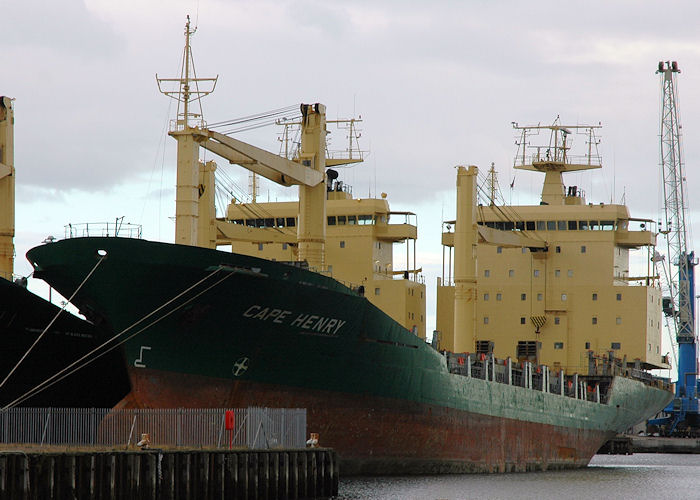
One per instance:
(553, 284)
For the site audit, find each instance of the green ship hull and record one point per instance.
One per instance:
(204, 328)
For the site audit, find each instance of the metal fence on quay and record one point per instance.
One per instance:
(253, 428)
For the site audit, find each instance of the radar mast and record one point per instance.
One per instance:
(554, 158)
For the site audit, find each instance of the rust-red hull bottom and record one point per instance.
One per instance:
(375, 435)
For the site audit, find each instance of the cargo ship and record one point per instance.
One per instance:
(334, 328)
(38, 340)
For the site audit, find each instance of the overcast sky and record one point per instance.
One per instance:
(437, 84)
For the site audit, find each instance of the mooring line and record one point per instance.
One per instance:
(72, 368)
(102, 257)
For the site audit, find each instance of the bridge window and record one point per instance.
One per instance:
(583, 225)
(331, 220)
(573, 225)
(291, 221)
(352, 219)
(541, 225)
(615, 345)
(342, 220)
(364, 220)
(520, 226)
(530, 225)
(551, 225)
(238, 221)
(607, 225)
(594, 225)
(561, 225)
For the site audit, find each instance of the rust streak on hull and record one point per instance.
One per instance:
(374, 435)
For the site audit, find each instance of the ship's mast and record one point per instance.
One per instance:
(553, 158)
(493, 184)
(7, 188)
(187, 192)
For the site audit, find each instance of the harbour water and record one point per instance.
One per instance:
(638, 476)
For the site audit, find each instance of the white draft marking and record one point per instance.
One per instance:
(139, 362)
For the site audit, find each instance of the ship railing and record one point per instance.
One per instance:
(178, 124)
(524, 374)
(253, 428)
(103, 229)
(543, 154)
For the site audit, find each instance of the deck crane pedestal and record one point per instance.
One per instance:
(681, 415)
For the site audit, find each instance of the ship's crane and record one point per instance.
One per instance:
(682, 413)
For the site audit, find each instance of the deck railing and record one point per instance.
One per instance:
(103, 229)
(254, 428)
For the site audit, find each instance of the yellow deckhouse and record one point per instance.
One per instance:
(553, 284)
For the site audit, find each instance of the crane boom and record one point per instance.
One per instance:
(680, 305)
(675, 202)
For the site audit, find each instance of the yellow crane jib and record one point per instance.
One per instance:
(269, 165)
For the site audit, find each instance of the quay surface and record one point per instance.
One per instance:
(169, 474)
(627, 445)
(651, 444)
